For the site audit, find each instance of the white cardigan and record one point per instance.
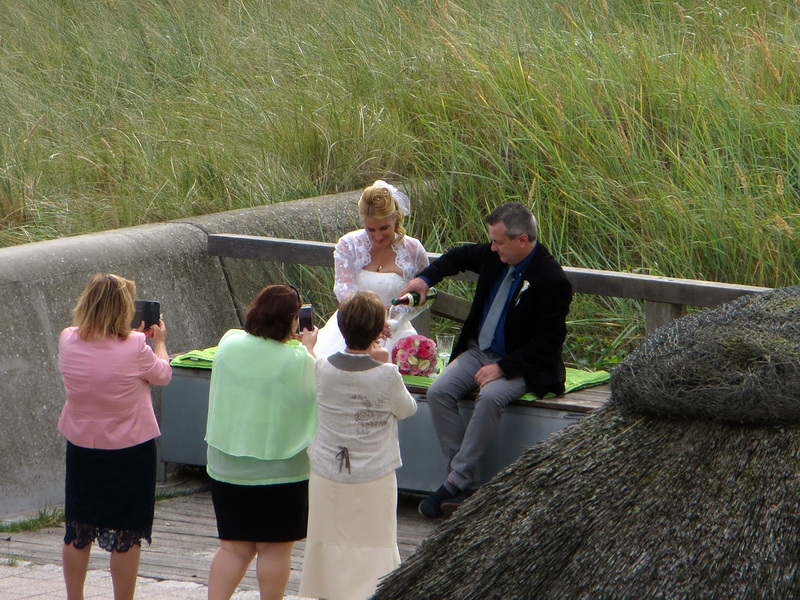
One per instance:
(360, 401)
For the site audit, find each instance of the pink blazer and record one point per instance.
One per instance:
(109, 405)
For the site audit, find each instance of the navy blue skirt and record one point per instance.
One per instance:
(260, 513)
(110, 495)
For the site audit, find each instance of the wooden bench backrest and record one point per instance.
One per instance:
(666, 297)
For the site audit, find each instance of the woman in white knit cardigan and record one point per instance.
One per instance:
(352, 524)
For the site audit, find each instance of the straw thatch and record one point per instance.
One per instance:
(624, 505)
(739, 362)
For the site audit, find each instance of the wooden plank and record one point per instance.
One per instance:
(580, 401)
(185, 540)
(661, 313)
(451, 306)
(657, 289)
(585, 281)
(271, 249)
(283, 250)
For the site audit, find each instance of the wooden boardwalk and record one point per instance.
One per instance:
(185, 539)
(185, 535)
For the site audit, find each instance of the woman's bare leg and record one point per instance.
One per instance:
(273, 568)
(75, 562)
(124, 571)
(228, 567)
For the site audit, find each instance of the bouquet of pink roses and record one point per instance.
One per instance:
(415, 355)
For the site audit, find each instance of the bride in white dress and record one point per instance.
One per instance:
(380, 258)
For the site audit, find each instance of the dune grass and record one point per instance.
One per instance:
(654, 137)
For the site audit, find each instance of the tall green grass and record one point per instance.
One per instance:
(655, 137)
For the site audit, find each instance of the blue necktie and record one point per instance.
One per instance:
(486, 334)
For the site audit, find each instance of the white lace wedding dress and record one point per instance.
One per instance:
(351, 255)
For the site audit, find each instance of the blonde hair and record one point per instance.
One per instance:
(361, 319)
(105, 308)
(378, 202)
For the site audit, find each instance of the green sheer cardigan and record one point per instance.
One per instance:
(262, 410)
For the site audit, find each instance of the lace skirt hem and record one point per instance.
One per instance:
(81, 535)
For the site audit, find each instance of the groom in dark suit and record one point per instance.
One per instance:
(510, 343)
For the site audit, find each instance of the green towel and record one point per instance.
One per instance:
(204, 359)
(197, 359)
(576, 380)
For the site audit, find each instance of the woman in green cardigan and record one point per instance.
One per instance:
(262, 415)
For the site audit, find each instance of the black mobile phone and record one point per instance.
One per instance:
(148, 311)
(306, 322)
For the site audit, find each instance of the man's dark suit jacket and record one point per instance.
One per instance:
(535, 325)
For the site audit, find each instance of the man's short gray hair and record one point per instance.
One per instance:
(517, 219)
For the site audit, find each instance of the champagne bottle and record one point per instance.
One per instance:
(412, 298)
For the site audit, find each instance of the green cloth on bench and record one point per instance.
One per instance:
(197, 359)
(204, 359)
(576, 380)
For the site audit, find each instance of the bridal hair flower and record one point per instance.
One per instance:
(415, 355)
(525, 285)
(402, 201)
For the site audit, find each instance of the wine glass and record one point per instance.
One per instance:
(444, 347)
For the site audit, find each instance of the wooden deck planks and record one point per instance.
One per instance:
(185, 530)
(185, 540)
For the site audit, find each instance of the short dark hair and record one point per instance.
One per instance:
(272, 313)
(361, 319)
(517, 219)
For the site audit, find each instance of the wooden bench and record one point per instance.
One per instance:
(184, 401)
(184, 405)
(665, 298)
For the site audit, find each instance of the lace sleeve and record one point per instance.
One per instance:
(348, 260)
(420, 256)
(412, 258)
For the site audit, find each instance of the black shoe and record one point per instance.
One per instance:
(449, 506)
(431, 506)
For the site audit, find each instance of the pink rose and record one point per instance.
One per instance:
(415, 355)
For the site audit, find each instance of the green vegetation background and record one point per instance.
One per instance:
(653, 137)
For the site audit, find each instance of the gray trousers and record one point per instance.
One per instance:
(464, 444)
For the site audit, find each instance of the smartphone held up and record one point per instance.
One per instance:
(148, 311)
(306, 318)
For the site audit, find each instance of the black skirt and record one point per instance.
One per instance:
(260, 513)
(110, 495)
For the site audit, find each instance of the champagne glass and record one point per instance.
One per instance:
(394, 318)
(444, 347)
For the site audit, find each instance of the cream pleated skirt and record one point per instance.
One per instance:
(352, 537)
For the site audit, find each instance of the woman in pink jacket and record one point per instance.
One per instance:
(110, 426)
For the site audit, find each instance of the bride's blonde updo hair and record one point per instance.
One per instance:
(378, 202)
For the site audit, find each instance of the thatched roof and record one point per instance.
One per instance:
(739, 362)
(626, 505)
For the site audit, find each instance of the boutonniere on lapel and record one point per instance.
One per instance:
(525, 285)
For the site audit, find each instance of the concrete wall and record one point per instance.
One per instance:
(201, 298)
